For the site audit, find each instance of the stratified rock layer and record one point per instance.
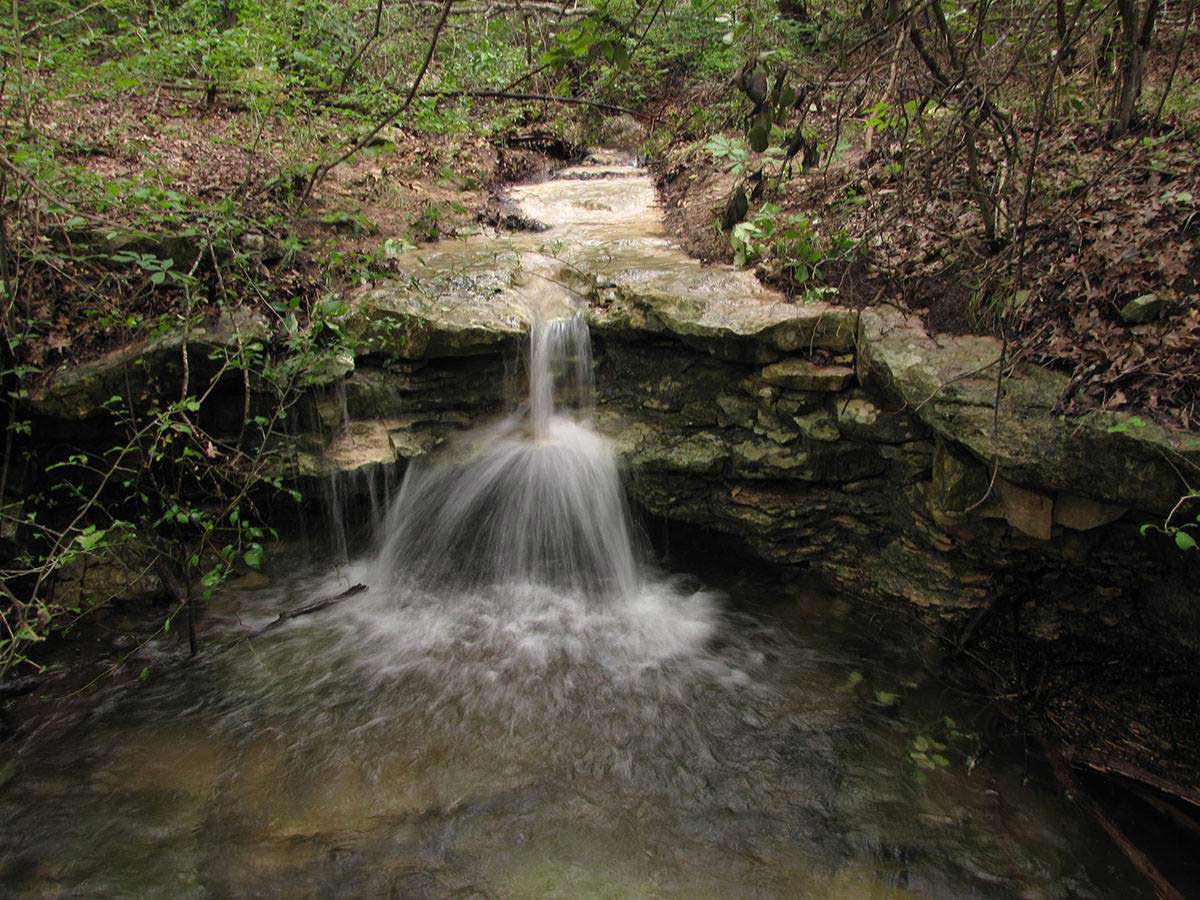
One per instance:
(892, 462)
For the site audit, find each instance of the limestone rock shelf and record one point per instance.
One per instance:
(855, 444)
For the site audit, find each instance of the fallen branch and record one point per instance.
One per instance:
(1104, 765)
(46, 26)
(1062, 771)
(327, 602)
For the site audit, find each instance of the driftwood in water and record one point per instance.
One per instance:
(324, 603)
(313, 607)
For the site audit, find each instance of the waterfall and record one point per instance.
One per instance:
(560, 372)
(534, 500)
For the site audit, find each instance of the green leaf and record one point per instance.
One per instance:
(1124, 427)
(760, 134)
(91, 538)
(852, 682)
(254, 556)
(923, 761)
(887, 698)
(1184, 541)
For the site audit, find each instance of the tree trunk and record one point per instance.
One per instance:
(1137, 29)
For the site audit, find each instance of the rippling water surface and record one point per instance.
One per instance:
(524, 743)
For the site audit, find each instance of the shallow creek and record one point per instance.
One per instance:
(534, 747)
(520, 704)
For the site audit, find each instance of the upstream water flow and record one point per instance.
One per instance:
(520, 705)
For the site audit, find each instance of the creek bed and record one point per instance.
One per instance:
(747, 739)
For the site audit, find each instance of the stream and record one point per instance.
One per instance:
(528, 701)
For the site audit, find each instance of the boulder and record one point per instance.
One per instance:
(1145, 308)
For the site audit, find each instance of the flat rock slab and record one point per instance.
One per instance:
(803, 375)
(949, 383)
(153, 366)
(605, 251)
(455, 299)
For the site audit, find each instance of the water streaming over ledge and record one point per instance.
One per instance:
(533, 501)
(520, 705)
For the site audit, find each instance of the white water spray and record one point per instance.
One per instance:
(534, 500)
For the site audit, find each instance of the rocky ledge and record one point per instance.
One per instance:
(895, 463)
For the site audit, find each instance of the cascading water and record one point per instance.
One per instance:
(509, 555)
(534, 500)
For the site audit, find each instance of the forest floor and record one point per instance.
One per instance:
(183, 179)
(1109, 221)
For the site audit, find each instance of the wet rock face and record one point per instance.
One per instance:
(874, 476)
